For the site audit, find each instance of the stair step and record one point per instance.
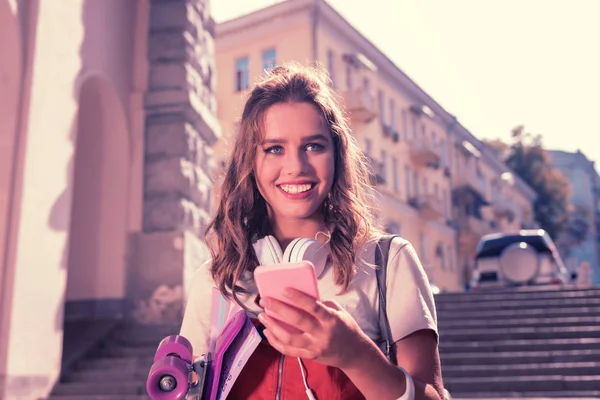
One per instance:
(523, 384)
(98, 364)
(136, 387)
(447, 347)
(450, 298)
(548, 332)
(519, 305)
(149, 341)
(581, 368)
(520, 321)
(462, 315)
(523, 357)
(141, 332)
(108, 375)
(124, 351)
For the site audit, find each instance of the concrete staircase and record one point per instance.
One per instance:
(116, 369)
(542, 343)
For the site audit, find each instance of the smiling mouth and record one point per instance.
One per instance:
(295, 189)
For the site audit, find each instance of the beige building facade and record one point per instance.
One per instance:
(438, 187)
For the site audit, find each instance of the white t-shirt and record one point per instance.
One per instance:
(410, 303)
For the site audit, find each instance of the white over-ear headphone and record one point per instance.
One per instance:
(268, 251)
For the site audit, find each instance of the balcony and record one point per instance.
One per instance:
(389, 131)
(467, 178)
(424, 153)
(470, 230)
(360, 105)
(429, 207)
(504, 208)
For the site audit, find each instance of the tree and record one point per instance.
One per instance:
(576, 229)
(498, 147)
(527, 158)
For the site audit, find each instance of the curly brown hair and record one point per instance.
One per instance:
(242, 211)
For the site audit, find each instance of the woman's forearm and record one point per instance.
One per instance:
(377, 378)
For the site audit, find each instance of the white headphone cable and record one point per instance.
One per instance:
(309, 392)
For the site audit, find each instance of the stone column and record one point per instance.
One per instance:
(181, 126)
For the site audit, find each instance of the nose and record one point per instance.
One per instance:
(296, 163)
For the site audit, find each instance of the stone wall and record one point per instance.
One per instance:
(181, 127)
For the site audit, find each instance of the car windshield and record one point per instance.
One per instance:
(493, 247)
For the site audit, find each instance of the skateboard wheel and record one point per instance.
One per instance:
(175, 345)
(168, 379)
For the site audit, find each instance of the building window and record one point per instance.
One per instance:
(269, 60)
(404, 125)
(422, 247)
(444, 153)
(415, 183)
(242, 74)
(381, 105)
(383, 170)
(368, 147)
(407, 180)
(393, 228)
(440, 253)
(393, 114)
(395, 174)
(445, 200)
(450, 258)
(331, 66)
(349, 80)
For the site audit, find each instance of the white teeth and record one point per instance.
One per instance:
(294, 189)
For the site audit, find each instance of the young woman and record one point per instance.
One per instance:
(296, 171)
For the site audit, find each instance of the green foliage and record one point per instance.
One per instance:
(576, 229)
(527, 158)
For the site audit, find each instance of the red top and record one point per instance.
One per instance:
(267, 369)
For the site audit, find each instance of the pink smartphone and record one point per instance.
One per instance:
(271, 280)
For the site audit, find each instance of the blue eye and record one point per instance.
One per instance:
(315, 147)
(274, 150)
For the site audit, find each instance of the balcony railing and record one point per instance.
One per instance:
(429, 207)
(424, 152)
(391, 132)
(360, 104)
(468, 177)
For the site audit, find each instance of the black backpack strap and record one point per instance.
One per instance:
(382, 252)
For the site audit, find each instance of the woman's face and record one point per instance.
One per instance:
(295, 162)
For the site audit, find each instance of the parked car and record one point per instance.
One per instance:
(525, 258)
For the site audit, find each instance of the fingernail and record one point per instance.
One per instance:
(261, 317)
(287, 292)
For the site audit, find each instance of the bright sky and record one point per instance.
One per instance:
(492, 63)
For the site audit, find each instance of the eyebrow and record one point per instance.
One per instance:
(318, 136)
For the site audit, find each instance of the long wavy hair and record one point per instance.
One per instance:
(242, 211)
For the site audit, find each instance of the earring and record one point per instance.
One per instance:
(328, 203)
